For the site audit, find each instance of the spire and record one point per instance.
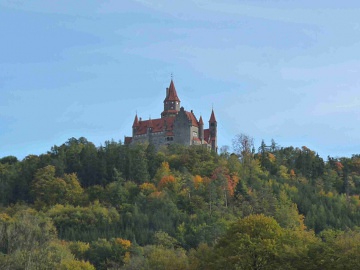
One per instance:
(201, 121)
(171, 101)
(136, 121)
(171, 94)
(212, 117)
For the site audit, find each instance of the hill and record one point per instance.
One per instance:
(130, 207)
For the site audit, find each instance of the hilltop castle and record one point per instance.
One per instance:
(175, 126)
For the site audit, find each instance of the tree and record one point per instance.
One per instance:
(243, 145)
(49, 190)
(250, 243)
(28, 241)
(258, 242)
(138, 164)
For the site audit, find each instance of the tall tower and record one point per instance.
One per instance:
(213, 131)
(171, 102)
(201, 129)
(135, 125)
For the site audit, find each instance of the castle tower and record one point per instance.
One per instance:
(171, 102)
(213, 131)
(135, 125)
(201, 129)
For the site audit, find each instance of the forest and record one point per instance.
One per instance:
(116, 206)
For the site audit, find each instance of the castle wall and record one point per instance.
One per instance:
(140, 138)
(182, 128)
(158, 139)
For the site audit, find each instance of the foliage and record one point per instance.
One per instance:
(118, 206)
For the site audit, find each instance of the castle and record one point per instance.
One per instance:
(175, 126)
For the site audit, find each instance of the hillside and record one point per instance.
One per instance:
(116, 206)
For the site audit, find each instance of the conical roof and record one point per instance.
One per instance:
(171, 93)
(212, 117)
(136, 121)
(201, 121)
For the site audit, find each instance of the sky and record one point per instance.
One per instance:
(282, 70)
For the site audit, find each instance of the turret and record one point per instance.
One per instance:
(201, 129)
(213, 131)
(135, 125)
(171, 101)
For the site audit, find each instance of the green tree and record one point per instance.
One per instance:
(28, 241)
(138, 164)
(49, 190)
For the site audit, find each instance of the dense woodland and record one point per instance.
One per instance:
(116, 206)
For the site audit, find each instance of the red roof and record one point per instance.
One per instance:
(157, 125)
(171, 93)
(136, 121)
(128, 140)
(212, 117)
(201, 121)
(192, 118)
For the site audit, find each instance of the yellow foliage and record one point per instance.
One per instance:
(78, 248)
(164, 170)
(148, 187)
(324, 194)
(123, 242)
(75, 265)
(271, 157)
(127, 257)
(4, 217)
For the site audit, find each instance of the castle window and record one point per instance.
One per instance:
(212, 124)
(195, 134)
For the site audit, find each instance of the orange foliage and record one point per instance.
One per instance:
(206, 180)
(271, 157)
(166, 181)
(339, 166)
(197, 181)
(292, 174)
(232, 182)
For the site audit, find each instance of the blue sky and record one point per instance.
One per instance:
(282, 70)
